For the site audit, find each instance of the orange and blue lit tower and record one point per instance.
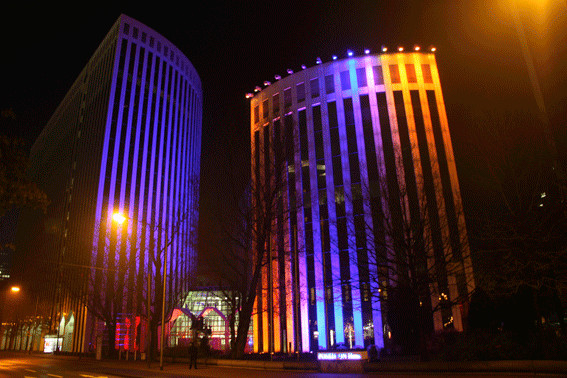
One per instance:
(357, 144)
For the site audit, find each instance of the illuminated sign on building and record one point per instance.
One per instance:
(335, 356)
(51, 343)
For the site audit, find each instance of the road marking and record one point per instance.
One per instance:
(31, 371)
(56, 376)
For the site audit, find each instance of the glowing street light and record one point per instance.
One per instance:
(15, 289)
(118, 217)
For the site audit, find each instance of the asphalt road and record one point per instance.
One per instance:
(14, 364)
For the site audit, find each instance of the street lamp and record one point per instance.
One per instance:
(29, 345)
(120, 219)
(14, 290)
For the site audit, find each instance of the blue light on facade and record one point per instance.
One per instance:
(126, 137)
(349, 121)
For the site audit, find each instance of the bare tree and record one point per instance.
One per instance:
(412, 256)
(522, 226)
(119, 285)
(239, 246)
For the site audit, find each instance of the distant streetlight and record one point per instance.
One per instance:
(120, 219)
(15, 289)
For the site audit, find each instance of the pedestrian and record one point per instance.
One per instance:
(193, 350)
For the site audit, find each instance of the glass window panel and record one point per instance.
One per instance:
(345, 80)
(361, 77)
(394, 73)
(300, 92)
(410, 73)
(329, 84)
(314, 84)
(378, 75)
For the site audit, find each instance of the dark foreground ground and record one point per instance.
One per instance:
(19, 364)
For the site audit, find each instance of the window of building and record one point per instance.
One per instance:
(426, 70)
(341, 213)
(410, 73)
(144, 35)
(151, 41)
(337, 170)
(135, 33)
(361, 77)
(346, 292)
(378, 75)
(312, 295)
(329, 84)
(300, 88)
(276, 103)
(335, 142)
(314, 84)
(345, 80)
(287, 97)
(394, 73)
(265, 109)
(126, 29)
(256, 114)
(365, 292)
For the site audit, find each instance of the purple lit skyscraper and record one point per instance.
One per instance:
(126, 138)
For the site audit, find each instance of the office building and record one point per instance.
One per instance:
(359, 154)
(126, 138)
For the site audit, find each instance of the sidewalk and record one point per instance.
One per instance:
(509, 366)
(139, 368)
(210, 367)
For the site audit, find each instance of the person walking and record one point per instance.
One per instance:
(193, 351)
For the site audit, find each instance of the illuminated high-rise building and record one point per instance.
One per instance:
(359, 153)
(125, 138)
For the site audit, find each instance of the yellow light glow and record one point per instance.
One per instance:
(15, 289)
(400, 49)
(118, 218)
(416, 48)
(433, 49)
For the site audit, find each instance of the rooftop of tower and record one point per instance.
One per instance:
(349, 54)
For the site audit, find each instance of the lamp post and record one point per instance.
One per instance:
(162, 345)
(120, 219)
(30, 342)
(14, 290)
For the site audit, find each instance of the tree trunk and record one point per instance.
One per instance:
(154, 339)
(243, 327)
(111, 335)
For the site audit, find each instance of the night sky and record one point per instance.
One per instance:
(236, 45)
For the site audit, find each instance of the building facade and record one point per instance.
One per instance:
(126, 138)
(214, 307)
(360, 151)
